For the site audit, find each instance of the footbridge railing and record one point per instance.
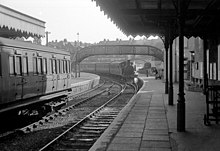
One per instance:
(118, 50)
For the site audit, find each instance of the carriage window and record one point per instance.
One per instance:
(64, 66)
(58, 66)
(69, 66)
(25, 65)
(61, 66)
(50, 67)
(34, 65)
(39, 66)
(18, 65)
(0, 66)
(54, 66)
(44, 65)
(11, 64)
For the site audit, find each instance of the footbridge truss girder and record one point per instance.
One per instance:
(119, 50)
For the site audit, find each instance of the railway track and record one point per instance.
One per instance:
(79, 99)
(69, 104)
(56, 126)
(83, 134)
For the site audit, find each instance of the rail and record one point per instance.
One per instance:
(84, 119)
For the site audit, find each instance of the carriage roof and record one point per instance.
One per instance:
(27, 45)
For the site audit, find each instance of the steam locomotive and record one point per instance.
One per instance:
(114, 68)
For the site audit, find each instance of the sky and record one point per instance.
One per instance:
(66, 18)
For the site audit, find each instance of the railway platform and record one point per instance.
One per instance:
(83, 83)
(84, 77)
(148, 123)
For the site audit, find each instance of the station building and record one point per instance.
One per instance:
(17, 25)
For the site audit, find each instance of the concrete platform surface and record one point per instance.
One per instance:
(85, 82)
(83, 77)
(148, 123)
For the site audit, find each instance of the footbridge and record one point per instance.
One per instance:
(118, 50)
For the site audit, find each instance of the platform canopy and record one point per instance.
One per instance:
(146, 17)
(16, 24)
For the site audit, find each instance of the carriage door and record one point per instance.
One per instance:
(28, 82)
(40, 79)
(16, 82)
(37, 75)
(68, 74)
(65, 74)
(44, 78)
(54, 72)
(59, 76)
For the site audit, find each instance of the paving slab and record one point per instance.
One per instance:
(129, 134)
(155, 144)
(155, 149)
(128, 140)
(149, 137)
(156, 132)
(123, 147)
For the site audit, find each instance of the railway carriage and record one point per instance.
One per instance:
(102, 67)
(115, 68)
(28, 70)
(91, 67)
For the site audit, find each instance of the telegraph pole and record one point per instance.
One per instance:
(77, 52)
(77, 64)
(47, 33)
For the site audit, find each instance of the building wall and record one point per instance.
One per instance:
(188, 46)
(212, 56)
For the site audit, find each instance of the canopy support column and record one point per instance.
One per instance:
(181, 99)
(166, 50)
(205, 77)
(170, 102)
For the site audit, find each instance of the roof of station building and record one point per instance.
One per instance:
(154, 17)
(16, 24)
